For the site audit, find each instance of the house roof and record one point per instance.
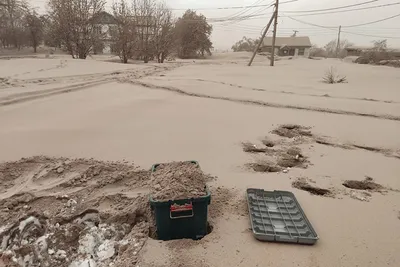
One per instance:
(104, 18)
(288, 41)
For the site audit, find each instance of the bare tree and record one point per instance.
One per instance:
(316, 51)
(124, 37)
(12, 26)
(144, 15)
(76, 24)
(34, 25)
(379, 45)
(163, 32)
(51, 37)
(331, 48)
(245, 44)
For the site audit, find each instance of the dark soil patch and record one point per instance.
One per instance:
(373, 149)
(328, 143)
(251, 148)
(210, 228)
(292, 130)
(294, 151)
(289, 162)
(292, 158)
(302, 184)
(264, 166)
(367, 184)
(267, 142)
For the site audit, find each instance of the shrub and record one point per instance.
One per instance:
(332, 77)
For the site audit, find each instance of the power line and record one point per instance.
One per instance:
(241, 18)
(222, 8)
(346, 26)
(369, 35)
(331, 8)
(372, 22)
(343, 11)
(312, 24)
(237, 14)
(253, 14)
(256, 14)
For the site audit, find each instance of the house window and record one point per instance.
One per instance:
(301, 51)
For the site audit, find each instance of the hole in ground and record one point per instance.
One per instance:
(292, 130)
(362, 185)
(210, 228)
(267, 142)
(302, 184)
(263, 166)
(153, 231)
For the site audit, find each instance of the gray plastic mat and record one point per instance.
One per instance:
(277, 216)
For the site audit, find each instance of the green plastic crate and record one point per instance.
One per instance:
(181, 218)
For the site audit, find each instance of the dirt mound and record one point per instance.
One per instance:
(303, 184)
(292, 130)
(251, 148)
(263, 166)
(268, 142)
(178, 180)
(41, 173)
(367, 184)
(72, 212)
(281, 157)
(292, 157)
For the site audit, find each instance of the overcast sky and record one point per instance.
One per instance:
(226, 33)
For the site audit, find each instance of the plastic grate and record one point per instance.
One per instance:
(277, 216)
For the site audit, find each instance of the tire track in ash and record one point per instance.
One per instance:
(29, 96)
(284, 92)
(133, 73)
(113, 76)
(261, 103)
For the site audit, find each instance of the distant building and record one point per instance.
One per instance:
(104, 22)
(357, 50)
(361, 50)
(288, 46)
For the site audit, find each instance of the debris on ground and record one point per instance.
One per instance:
(93, 213)
(279, 158)
(366, 184)
(291, 161)
(252, 148)
(303, 184)
(360, 195)
(292, 130)
(294, 151)
(263, 166)
(292, 157)
(178, 180)
(72, 218)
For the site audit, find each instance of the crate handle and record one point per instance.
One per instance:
(181, 211)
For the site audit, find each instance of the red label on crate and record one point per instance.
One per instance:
(176, 207)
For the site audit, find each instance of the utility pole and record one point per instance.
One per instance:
(262, 39)
(274, 35)
(294, 33)
(338, 42)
